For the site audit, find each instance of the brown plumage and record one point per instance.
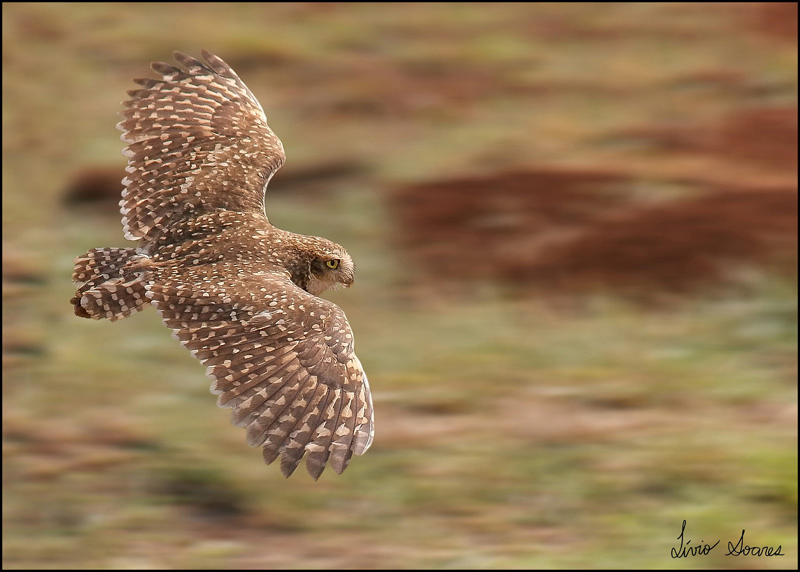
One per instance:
(239, 294)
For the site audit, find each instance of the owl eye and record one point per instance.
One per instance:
(332, 264)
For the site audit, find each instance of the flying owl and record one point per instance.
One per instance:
(240, 294)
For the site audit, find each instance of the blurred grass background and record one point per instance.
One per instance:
(554, 387)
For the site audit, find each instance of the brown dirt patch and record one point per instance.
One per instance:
(673, 248)
(764, 137)
(95, 184)
(471, 227)
(571, 231)
(774, 20)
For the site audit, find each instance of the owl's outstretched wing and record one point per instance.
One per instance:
(198, 141)
(283, 360)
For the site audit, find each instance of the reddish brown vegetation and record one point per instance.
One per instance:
(775, 20)
(471, 227)
(95, 185)
(672, 248)
(566, 232)
(763, 137)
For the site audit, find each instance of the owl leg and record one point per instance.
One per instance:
(108, 287)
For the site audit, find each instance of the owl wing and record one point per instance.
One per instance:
(283, 360)
(198, 141)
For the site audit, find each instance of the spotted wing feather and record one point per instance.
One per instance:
(198, 141)
(105, 288)
(283, 360)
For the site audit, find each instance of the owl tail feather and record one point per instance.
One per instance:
(111, 283)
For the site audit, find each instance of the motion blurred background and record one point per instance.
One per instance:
(575, 227)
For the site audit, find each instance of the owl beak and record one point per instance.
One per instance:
(349, 282)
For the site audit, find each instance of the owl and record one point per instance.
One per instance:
(240, 294)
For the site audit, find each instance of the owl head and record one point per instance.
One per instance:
(330, 268)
